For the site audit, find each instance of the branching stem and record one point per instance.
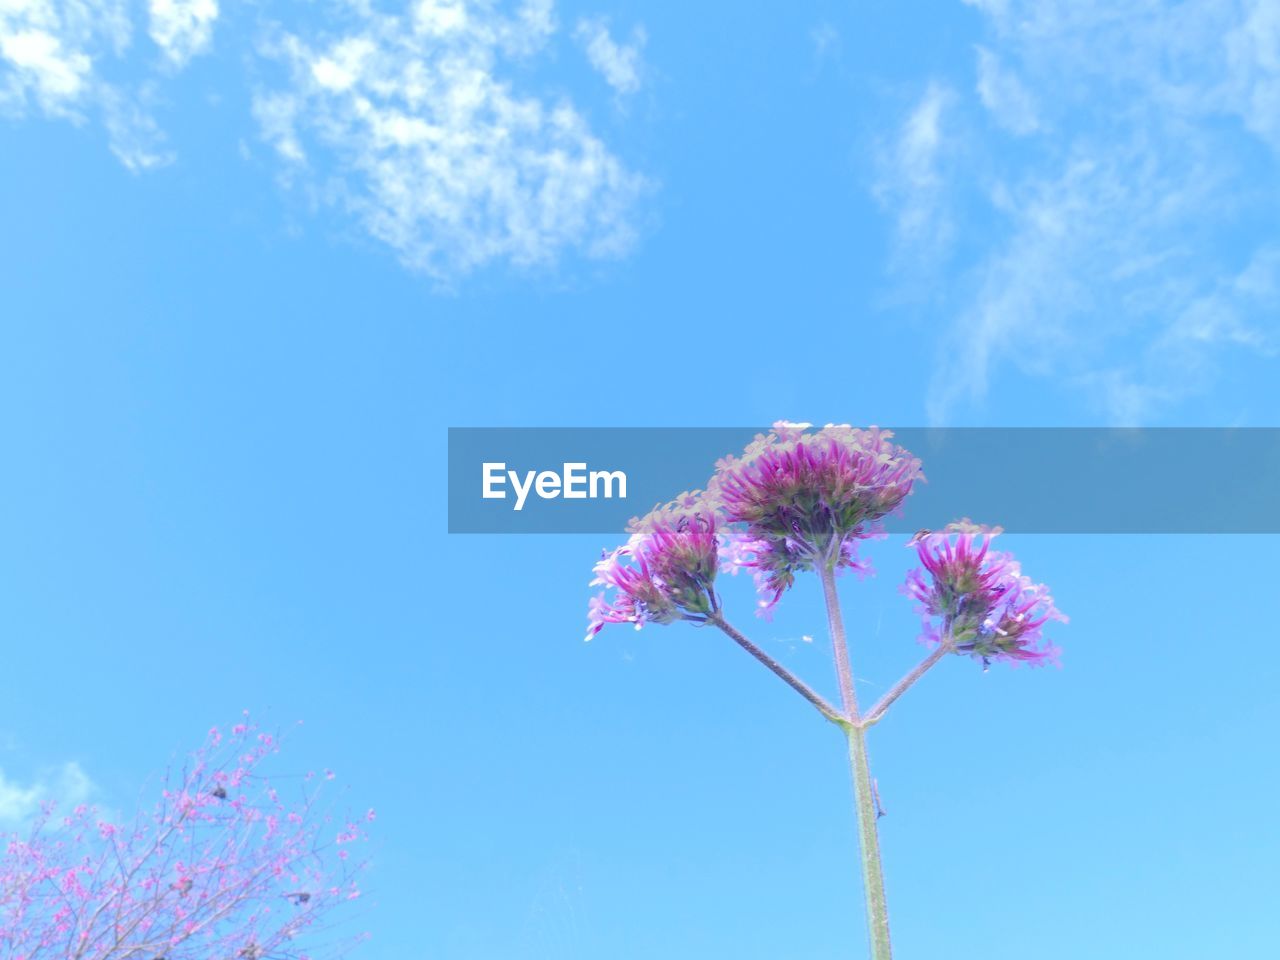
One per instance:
(790, 679)
(901, 687)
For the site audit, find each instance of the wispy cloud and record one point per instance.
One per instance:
(135, 137)
(619, 63)
(67, 786)
(910, 181)
(1178, 360)
(826, 42)
(53, 54)
(48, 49)
(427, 124)
(1111, 254)
(411, 123)
(1003, 94)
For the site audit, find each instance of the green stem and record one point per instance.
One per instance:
(835, 623)
(869, 842)
(903, 685)
(863, 791)
(794, 682)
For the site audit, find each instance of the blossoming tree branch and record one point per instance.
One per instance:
(804, 501)
(226, 866)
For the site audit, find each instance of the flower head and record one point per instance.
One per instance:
(664, 573)
(977, 599)
(806, 498)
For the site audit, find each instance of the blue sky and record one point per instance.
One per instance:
(255, 259)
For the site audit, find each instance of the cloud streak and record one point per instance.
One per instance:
(1003, 94)
(911, 181)
(55, 55)
(618, 63)
(1130, 147)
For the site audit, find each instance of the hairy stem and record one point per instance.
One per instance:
(835, 623)
(790, 679)
(863, 791)
(869, 842)
(901, 687)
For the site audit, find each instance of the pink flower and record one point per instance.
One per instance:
(801, 499)
(195, 877)
(978, 598)
(664, 573)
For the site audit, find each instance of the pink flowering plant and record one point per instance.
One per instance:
(227, 864)
(800, 500)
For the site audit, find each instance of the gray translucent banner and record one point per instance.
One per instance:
(1027, 480)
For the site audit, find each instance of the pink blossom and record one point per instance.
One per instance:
(664, 573)
(194, 878)
(799, 499)
(977, 599)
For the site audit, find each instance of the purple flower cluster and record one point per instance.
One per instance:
(977, 600)
(665, 572)
(801, 499)
(793, 500)
(798, 500)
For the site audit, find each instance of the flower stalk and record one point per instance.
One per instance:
(864, 798)
(898, 689)
(790, 679)
(869, 843)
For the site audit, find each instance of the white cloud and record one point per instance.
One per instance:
(910, 179)
(826, 42)
(135, 137)
(56, 75)
(1253, 56)
(1111, 254)
(425, 124)
(921, 136)
(67, 786)
(618, 63)
(1003, 94)
(56, 56)
(48, 49)
(409, 122)
(1223, 315)
(1177, 362)
(182, 28)
(1094, 253)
